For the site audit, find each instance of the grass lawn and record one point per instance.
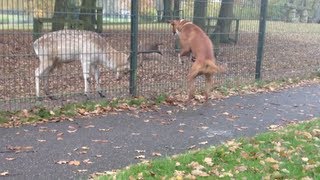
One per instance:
(291, 152)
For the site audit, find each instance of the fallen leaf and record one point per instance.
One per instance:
(225, 113)
(87, 161)
(204, 142)
(85, 148)
(180, 130)
(18, 149)
(82, 111)
(25, 113)
(99, 141)
(41, 140)
(72, 131)
(241, 168)
(200, 173)
(285, 171)
(156, 154)
(275, 167)
(140, 157)
(305, 159)
(10, 158)
(315, 132)
(105, 130)
(98, 156)
(82, 170)
(306, 135)
(62, 162)
(89, 126)
(4, 173)
(74, 163)
(271, 160)
(140, 151)
(178, 164)
(208, 161)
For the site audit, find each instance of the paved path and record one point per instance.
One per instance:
(114, 141)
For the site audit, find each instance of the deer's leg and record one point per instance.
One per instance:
(42, 72)
(86, 75)
(95, 70)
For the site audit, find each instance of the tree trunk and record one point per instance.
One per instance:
(176, 9)
(316, 16)
(87, 14)
(200, 12)
(59, 14)
(224, 21)
(167, 10)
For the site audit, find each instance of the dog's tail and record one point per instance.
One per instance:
(212, 67)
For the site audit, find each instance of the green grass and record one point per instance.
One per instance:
(292, 152)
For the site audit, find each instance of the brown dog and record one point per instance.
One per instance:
(194, 40)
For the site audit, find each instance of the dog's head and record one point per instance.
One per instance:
(177, 25)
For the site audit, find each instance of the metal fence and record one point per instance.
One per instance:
(290, 47)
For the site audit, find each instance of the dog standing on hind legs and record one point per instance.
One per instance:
(194, 40)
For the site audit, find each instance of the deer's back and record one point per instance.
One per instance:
(67, 44)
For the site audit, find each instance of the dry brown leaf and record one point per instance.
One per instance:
(198, 172)
(271, 160)
(306, 135)
(156, 154)
(83, 112)
(275, 167)
(241, 168)
(315, 132)
(74, 163)
(178, 173)
(18, 149)
(25, 113)
(208, 161)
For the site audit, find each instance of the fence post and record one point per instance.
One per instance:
(133, 48)
(261, 39)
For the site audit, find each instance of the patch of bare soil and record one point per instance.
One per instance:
(286, 55)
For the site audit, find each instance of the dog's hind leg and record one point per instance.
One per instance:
(193, 73)
(209, 83)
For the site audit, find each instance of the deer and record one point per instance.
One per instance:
(64, 46)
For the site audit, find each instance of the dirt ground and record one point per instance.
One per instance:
(286, 55)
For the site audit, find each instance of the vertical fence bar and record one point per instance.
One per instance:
(133, 48)
(261, 39)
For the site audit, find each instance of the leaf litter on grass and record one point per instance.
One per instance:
(286, 153)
